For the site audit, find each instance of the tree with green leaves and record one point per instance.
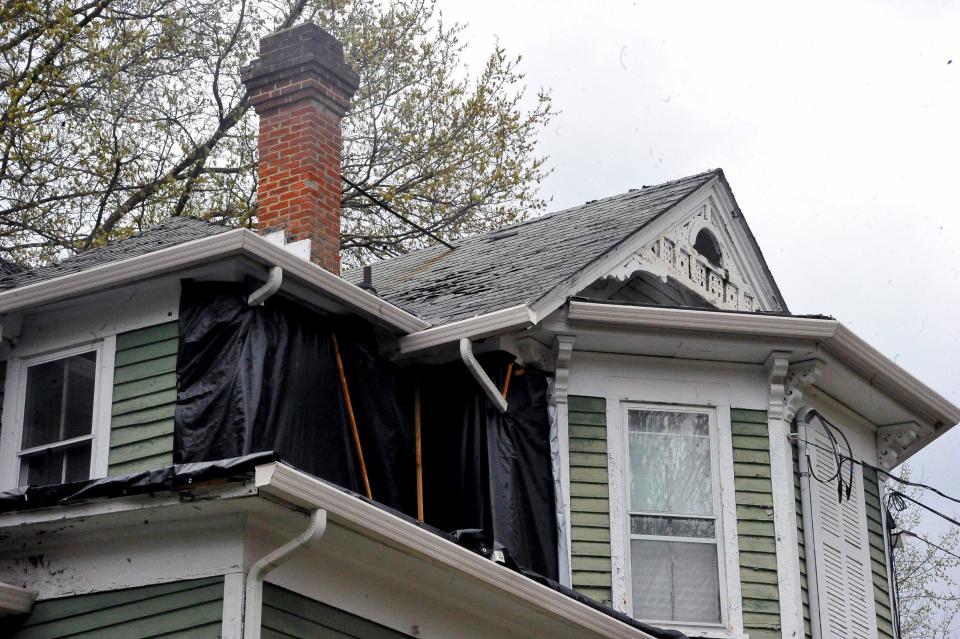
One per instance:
(926, 567)
(115, 114)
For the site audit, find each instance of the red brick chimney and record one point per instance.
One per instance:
(301, 87)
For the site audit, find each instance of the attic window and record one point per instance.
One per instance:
(708, 247)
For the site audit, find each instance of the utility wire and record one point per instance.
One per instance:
(898, 495)
(386, 207)
(909, 533)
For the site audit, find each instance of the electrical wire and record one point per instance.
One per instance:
(936, 512)
(909, 533)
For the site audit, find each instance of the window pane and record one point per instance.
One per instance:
(56, 465)
(81, 374)
(672, 526)
(59, 400)
(675, 581)
(670, 462)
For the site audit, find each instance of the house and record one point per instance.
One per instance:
(602, 422)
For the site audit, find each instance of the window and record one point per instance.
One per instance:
(56, 440)
(56, 415)
(673, 511)
(708, 247)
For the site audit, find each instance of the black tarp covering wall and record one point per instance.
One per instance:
(264, 378)
(486, 475)
(258, 378)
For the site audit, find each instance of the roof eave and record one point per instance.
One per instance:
(232, 243)
(834, 337)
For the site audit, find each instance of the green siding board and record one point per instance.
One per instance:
(589, 497)
(756, 537)
(189, 608)
(144, 399)
(287, 614)
(149, 335)
(878, 554)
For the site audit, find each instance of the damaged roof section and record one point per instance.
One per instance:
(172, 232)
(519, 264)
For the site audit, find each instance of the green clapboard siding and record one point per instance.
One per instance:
(144, 398)
(287, 614)
(754, 496)
(881, 585)
(589, 498)
(180, 609)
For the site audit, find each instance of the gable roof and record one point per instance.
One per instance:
(174, 231)
(521, 263)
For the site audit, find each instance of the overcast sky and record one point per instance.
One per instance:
(835, 123)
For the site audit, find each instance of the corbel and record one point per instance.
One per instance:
(800, 377)
(778, 364)
(894, 439)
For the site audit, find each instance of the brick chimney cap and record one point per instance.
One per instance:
(300, 53)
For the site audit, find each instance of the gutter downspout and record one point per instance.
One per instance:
(259, 296)
(489, 389)
(804, 415)
(253, 590)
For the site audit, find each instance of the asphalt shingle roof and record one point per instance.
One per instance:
(520, 263)
(174, 231)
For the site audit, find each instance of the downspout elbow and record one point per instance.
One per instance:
(489, 388)
(253, 590)
(259, 296)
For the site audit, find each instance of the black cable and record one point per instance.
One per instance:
(386, 207)
(925, 507)
(860, 462)
(928, 542)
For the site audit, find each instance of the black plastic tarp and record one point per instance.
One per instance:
(488, 476)
(257, 378)
(265, 378)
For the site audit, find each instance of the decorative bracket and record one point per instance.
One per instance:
(562, 352)
(777, 365)
(893, 440)
(800, 377)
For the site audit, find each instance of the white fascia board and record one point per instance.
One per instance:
(515, 317)
(15, 600)
(283, 483)
(701, 321)
(835, 338)
(349, 294)
(200, 251)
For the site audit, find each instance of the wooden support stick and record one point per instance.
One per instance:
(506, 382)
(416, 427)
(350, 415)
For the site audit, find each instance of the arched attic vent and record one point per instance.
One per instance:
(708, 247)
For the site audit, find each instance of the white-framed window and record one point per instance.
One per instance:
(673, 507)
(57, 416)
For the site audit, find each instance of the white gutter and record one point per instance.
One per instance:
(240, 242)
(833, 337)
(253, 590)
(15, 600)
(513, 318)
(288, 485)
(259, 296)
(466, 354)
(809, 535)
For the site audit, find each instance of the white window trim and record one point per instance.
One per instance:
(15, 397)
(724, 496)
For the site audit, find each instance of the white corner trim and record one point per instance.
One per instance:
(784, 507)
(504, 320)
(563, 353)
(200, 251)
(286, 484)
(834, 337)
(15, 600)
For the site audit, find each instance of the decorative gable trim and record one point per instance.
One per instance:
(745, 257)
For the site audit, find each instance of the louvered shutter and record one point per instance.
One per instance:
(845, 586)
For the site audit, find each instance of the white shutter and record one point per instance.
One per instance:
(845, 585)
